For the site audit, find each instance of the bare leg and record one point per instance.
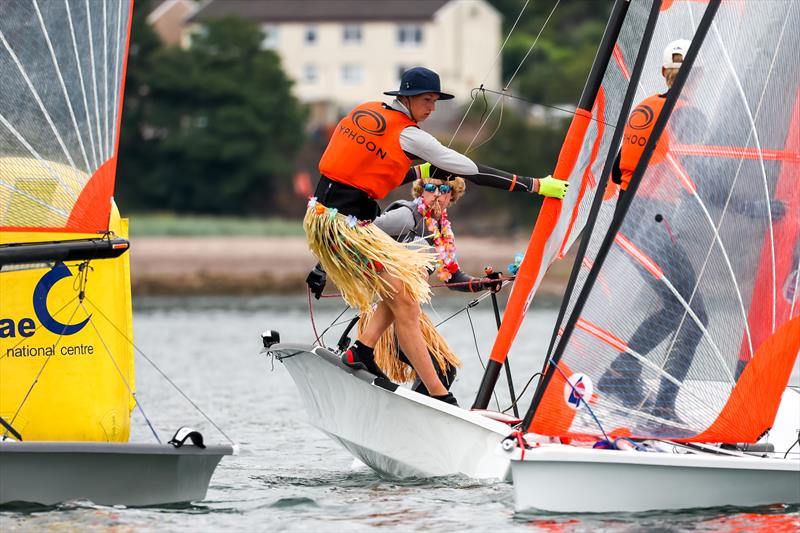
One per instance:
(380, 320)
(406, 313)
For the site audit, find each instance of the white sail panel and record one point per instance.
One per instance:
(693, 287)
(62, 64)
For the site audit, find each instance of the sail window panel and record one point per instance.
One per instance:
(30, 203)
(702, 251)
(32, 101)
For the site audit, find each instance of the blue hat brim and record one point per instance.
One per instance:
(415, 92)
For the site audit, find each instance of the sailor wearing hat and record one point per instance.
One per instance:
(369, 154)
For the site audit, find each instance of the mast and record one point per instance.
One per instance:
(625, 202)
(551, 209)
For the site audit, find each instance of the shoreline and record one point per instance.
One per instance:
(178, 266)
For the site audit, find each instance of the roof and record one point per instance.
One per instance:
(321, 10)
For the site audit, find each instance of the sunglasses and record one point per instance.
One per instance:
(443, 188)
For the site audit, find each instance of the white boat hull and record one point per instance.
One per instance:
(558, 478)
(397, 433)
(135, 475)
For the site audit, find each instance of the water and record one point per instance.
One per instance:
(289, 476)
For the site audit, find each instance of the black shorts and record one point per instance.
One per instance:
(347, 199)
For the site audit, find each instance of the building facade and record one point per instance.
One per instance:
(342, 52)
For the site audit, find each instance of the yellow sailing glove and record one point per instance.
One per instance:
(553, 188)
(425, 171)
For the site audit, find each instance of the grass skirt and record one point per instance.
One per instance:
(355, 253)
(387, 353)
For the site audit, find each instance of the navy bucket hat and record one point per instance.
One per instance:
(419, 80)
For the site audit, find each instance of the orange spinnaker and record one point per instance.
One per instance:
(755, 399)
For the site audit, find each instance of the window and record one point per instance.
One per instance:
(311, 35)
(352, 74)
(310, 73)
(409, 35)
(351, 34)
(271, 35)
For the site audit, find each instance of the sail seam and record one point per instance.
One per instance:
(717, 239)
(754, 155)
(105, 82)
(94, 83)
(37, 98)
(760, 159)
(83, 84)
(117, 68)
(61, 82)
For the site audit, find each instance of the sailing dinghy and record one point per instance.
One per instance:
(66, 360)
(723, 203)
(427, 438)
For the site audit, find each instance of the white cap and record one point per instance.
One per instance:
(680, 46)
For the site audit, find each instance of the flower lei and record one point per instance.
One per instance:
(443, 241)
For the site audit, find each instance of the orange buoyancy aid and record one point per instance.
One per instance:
(638, 128)
(364, 151)
(637, 133)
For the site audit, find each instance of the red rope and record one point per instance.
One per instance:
(311, 314)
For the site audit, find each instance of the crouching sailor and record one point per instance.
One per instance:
(368, 155)
(424, 223)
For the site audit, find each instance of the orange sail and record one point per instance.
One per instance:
(698, 274)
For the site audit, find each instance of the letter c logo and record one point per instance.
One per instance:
(57, 273)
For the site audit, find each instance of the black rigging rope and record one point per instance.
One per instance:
(531, 102)
(163, 374)
(478, 351)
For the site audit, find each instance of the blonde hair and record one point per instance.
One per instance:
(458, 184)
(671, 73)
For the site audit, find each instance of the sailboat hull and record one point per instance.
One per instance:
(395, 431)
(558, 478)
(48, 473)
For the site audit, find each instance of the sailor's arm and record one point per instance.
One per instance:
(462, 282)
(447, 162)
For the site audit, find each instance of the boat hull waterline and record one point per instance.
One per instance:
(134, 475)
(567, 479)
(398, 433)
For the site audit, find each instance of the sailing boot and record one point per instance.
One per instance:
(362, 357)
(622, 380)
(664, 408)
(447, 398)
(446, 378)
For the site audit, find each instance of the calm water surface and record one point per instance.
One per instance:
(289, 476)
